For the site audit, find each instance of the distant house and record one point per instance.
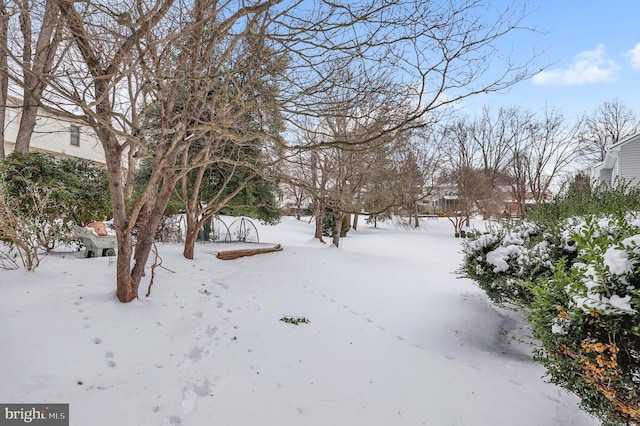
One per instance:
(622, 161)
(53, 134)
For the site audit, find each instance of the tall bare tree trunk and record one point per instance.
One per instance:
(36, 65)
(198, 214)
(127, 282)
(27, 125)
(318, 212)
(126, 288)
(131, 263)
(192, 230)
(4, 77)
(355, 221)
(337, 229)
(131, 167)
(298, 208)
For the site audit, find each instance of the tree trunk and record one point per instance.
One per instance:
(415, 214)
(131, 166)
(337, 229)
(36, 64)
(190, 239)
(319, 214)
(130, 270)
(193, 231)
(126, 290)
(4, 78)
(298, 208)
(27, 125)
(355, 222)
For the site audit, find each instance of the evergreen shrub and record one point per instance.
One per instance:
(41, 197)
(574, 268)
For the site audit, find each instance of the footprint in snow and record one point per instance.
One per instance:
(109, 360)
(196, 353)
(194, 391)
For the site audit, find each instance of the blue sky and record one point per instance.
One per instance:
(593, 51)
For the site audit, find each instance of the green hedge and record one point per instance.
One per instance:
(578, 280)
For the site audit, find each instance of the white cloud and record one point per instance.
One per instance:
(588, 67)
(634, 54)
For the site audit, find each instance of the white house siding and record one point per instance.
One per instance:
(630, 161)
(606, 175)
(11, 124)
(621, 162)
(52, 134)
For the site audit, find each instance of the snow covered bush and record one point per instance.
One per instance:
(587, 317)
(505, 258)
(575, 271)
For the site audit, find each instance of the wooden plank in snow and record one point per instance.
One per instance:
(234, 254)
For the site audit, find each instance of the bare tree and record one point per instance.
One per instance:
(514, 150)
(417, 159)
(37, 59)
(136, 71)
(299, 195)
(479, 150)
(469, 185)
(4, 77)
(610, 123)
(156, 56)
(555, 146)
(493, 135)
(542, 148)
(28, 55)
(339, 179)
(318, 188)
(518, 167)
(422, 55)
(242, 103)
(308, 172)
(294, 179)
(344, 163)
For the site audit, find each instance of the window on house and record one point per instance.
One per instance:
(75, 135)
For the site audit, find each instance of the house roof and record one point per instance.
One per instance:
(17, 103)
(610, 158)
(626, 141)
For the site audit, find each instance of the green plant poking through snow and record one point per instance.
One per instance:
(295, 320)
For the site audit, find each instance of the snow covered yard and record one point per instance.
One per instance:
(394, 339)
